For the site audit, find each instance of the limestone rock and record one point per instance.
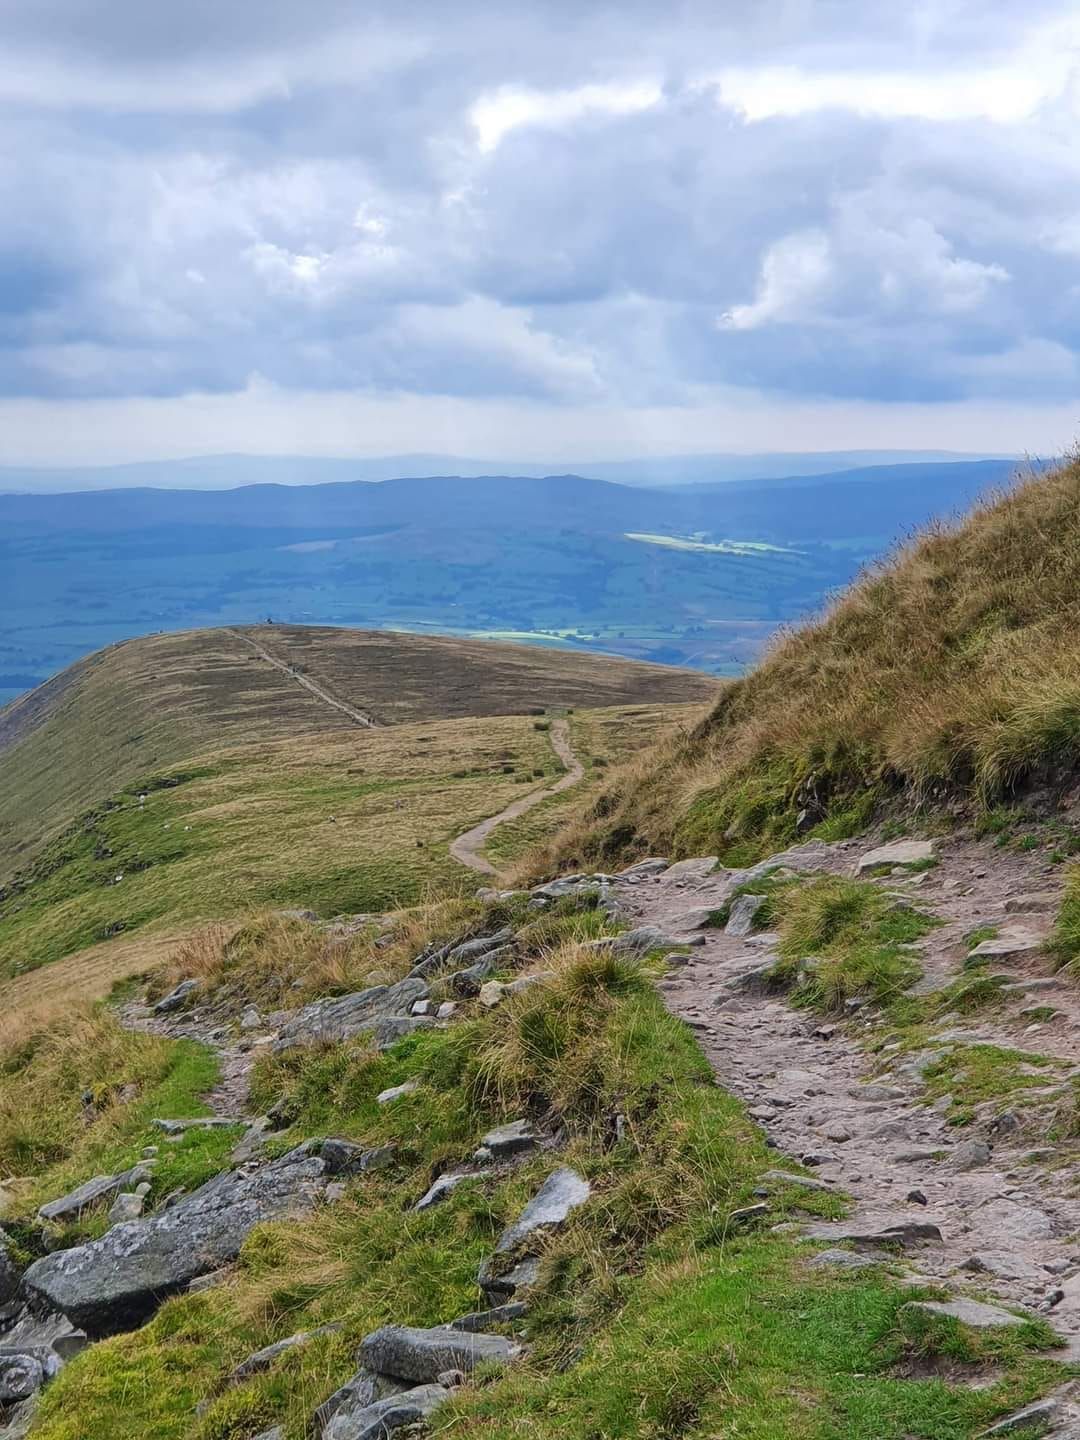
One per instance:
(440, 1189)
(562, 1192)
(409, 1353)
(899, 852)
(499, 1285)
(116, 1282)
(176, 998)
(125, 1207)
(648, 937)
(382, 1010)
(1005, 1264)
(72, 1205)
(264, 1358)
(381, 1419)
(512, 1139)
(397, 1092)
(1013, 942)
(691, 871)
(498, 1315)
(969, 1312)
(1037, 1416)
(897, 1229)
(969, 1155)
(742, 913)
(21, 1375)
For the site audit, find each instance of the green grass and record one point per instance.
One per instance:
(1065, 943)
(841, 939)
(975, 1074)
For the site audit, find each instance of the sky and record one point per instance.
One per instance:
(545, 230)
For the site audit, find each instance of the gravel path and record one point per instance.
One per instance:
(467, 847)
(359, 716)
(1009, 1219)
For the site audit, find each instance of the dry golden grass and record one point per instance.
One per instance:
(33, 1000)
(146, 705)
(953, 667)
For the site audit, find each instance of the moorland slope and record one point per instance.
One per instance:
(145, 706)
(948, 673)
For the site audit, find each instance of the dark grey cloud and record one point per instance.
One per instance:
(572, 203)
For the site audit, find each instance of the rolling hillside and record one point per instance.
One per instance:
(698, 578)
(194, 776)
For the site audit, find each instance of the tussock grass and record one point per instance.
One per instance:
(952, 669)
(841, 939)
(1065, 943)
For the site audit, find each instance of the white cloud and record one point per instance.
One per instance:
(794, 275)
(509, 108)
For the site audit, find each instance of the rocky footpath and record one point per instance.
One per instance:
(985, 1209)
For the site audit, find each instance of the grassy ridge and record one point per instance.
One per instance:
(352, 821)
(150, 705)
(952, 669)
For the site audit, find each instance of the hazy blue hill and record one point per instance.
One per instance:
(660, 574)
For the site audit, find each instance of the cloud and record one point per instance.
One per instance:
(495, 115)
(577, 207)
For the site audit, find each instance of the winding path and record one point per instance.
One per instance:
(855, 1110)
(466, 848)
(358, 716)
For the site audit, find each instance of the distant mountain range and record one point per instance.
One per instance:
(694, 574)
(227, 472)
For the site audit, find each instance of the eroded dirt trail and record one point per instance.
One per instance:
(359, 717)
(467, 847)
(1004, 1199)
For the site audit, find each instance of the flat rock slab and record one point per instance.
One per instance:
(1005, 1265)
(117, 1282)
(1011, 1220)
(512, 1139)
(900, 852)
(330, 1021)
(72, 1205)
(842, 1260)
(409, 1353)
(1035, 902)
(691, 871)
(1037, 1416)
(562, 1192)
(968, 1312)
(384, 1417)
(887, 1230)
(1013, 941)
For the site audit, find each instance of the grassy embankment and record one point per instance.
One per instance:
(949, 673)
(658, 1314)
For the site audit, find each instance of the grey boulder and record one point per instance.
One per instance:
(21, 1375)
(116, 1282)
(102, 1187)
(382, 1010)
(384, 1417)
(176, 998)
(741, 915)
(409, 1353)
